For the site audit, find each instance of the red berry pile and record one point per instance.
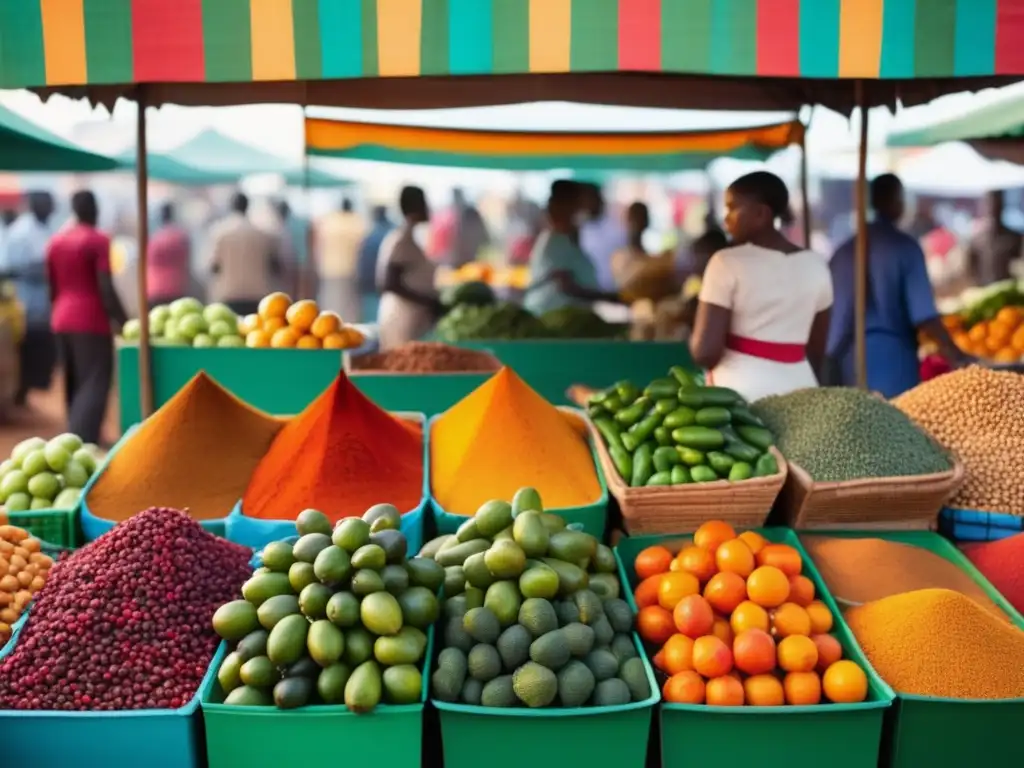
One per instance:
(124, 622)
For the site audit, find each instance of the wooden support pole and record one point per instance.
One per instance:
(861, 262)
(142, 205)
(805, 196)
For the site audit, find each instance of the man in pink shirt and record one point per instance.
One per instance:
(85, 311)
(168, 258)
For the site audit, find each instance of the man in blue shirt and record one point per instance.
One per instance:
(900, 302)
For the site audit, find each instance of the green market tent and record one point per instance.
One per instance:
(163, 168)
(27, 147)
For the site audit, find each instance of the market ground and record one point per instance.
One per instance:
(44, 416)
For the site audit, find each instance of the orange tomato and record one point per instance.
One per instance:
(821, 617)
(647, 591)
(783, 557)
(713, 533)
(790, 619)
(722, 630)
(978, 332)
(677, 654)
(652, 561)
(726, 691)
(754, 540)
(693, 616)
(748, 615)
(797, 654)
(763, 691)
(711, 657)
(725, 591)
(684, 688)
(845, 683)
(753, 652)
(829, 651)
(325, 324)
(802, 688)
(734, 557)
(674, 587)
(274, 305)
(696, 560)
(801, 590)
(655, 624)
(768, 586)
(1009, 316)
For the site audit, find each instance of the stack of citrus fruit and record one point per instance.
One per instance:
(737, 623)
(1000, 339)
(283, 324)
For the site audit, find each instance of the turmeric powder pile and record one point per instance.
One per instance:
(504, 436)
(937, 642)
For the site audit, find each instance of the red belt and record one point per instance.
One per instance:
(767, 350)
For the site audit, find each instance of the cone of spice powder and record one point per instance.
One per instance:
(341, 455)
(196, 453)
(504, 436)
(1002, 563)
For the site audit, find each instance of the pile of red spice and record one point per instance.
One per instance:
(428, 357)
(1002, 563)
(125, 622)
(341, 455)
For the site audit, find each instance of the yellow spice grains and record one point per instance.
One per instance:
(866, 569)
(936, 642)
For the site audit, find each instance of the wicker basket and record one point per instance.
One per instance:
(683, 508)
(889, 503)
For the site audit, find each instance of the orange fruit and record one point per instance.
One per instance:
(658, 660)
(696, 560)
(1017, 340)
(284, 338)
(325, 324)
(783, 557)
(725, 591)
(1006, 355)
(753, 652)
(1009, 316)
(711, 657)
(993, 344)
(652, 561)
(308, 342)
(845, 683)
(257, 339)
(274, 305)
(353, 337)
(801, 590)
(677, 654)
(301, 314)
(821, 617)
(726, 691)
(754, 540)
(797, 654)
(248, 324)
(674, 587)
(334, 341)
(655, 624)
(829, 651)
(748, 615)
(802, 688)
(952, 322)
(735, 557)
(693, 616)
(763, 691)
(273, 324)
(722, 630)
(790, 619)
(647, 591)
(684, 688)
(963, 341)
(978, 332)
(713, 533)
(768, 586)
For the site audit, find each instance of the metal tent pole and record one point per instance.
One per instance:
(861, 263)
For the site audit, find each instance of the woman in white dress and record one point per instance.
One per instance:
(763, 314)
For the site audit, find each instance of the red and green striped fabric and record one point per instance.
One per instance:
(92, 42)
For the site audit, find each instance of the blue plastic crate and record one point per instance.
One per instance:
(256, 533)
(974, 525)
(155, 738)
(592, 517)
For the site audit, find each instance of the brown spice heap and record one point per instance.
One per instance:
(936, 642)
(977, 414)
(428, 357)
(861, 570)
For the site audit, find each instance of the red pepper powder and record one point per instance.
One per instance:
(1002, 563)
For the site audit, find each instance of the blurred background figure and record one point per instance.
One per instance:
(24, 259)
(457, 234)
(994, 246)
(339, 236)
(290, 232)
(601, 233)
(168, 259)
(243, 260)
(86, 315)
(369, 253)
(627, 260)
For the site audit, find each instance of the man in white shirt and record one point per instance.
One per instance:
(338, 237)
(243, 260)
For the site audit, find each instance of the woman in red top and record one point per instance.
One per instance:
(85, 311)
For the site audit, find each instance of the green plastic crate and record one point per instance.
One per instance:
(53, 527)
(593, 517)
(839, 735)
(927, 730)
(474, 737)
(388, 737)
(551, 367)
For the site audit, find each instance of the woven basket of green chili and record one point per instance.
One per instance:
(857, 462)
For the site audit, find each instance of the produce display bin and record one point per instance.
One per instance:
(53, 527)
(256, 533)
(974, 525)
(593, 736)
(841, 735)
(155, 738)
(552, 366)
(93, 526)
(927, 730)
(592, 517)
(312, 735)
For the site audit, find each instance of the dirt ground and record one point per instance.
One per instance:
(43, 416)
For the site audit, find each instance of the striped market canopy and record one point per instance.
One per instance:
(534, 150)
(66, 43)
